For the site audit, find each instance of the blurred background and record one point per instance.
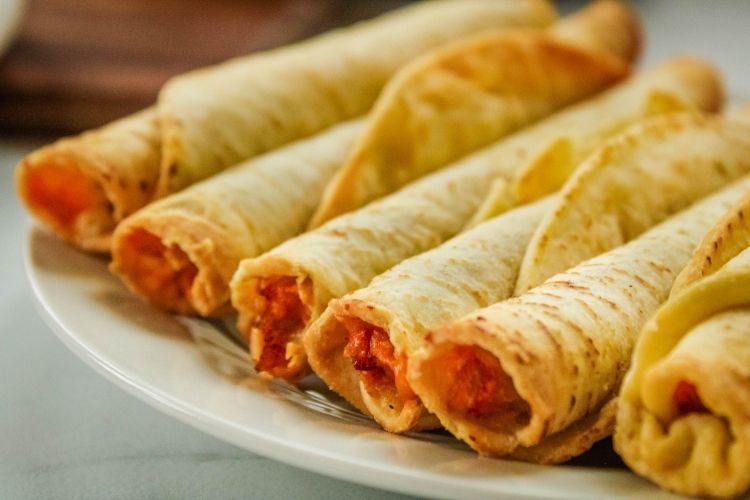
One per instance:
(75, 64)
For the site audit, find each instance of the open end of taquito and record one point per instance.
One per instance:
(276, 302)
(281, 317)
(465, 380)
(74, 205)
(174, 262)
(82, 186)
(350, 348)
(684, 416)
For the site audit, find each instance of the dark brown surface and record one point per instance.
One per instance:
(76, 64)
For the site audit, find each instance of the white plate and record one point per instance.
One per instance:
(151, 355)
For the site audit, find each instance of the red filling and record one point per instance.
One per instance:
(165, 274)
(478, 386)
(687, 399)
(373, 356)
(61, 194)
(284, 315)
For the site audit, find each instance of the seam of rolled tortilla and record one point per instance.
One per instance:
(215, 117)
(468, 94)
(181, 251)
(566, 344)
(82, 186)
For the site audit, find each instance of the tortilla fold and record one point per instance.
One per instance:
(215, 117)
(468, 94)
(510, 377)
(181, 251)
(82, 186)
(684, 415)
(305, 273)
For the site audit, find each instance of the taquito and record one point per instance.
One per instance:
(181, 251)
(82, 186)
(466, 95)
(536, 377)
(588, 223)
(371, 332)
(215, 117)
(360, 343)
(302, 275)
(684, 408)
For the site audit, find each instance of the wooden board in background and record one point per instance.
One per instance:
(77, 64)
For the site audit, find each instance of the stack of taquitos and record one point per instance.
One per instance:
(181, 251)
(83, 186)
(305, 273)
(363, 341)
(535, 377)
(684, 408)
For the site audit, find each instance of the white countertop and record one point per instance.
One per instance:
(65, 432)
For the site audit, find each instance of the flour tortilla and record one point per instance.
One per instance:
(565, 345)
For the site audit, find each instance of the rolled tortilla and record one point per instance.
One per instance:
(535, 377)
(82, 186)
(215, 117)
(360, 345)
(598, 212)
(305, 273)
(181, 251)
(684, 410)
(468, 94)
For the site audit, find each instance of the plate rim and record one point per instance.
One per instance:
(305, 457)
